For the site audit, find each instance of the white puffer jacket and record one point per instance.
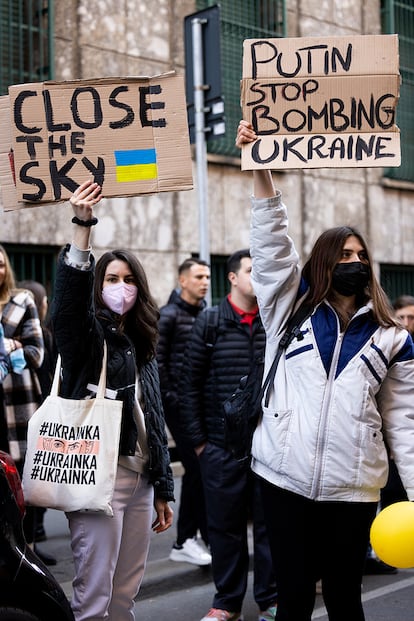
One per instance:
(336, 396)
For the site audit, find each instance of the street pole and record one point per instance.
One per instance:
(200, 141)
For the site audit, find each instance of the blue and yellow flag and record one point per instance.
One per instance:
(136, 165)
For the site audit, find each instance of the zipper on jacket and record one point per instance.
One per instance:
(324, 414)
(327, 398)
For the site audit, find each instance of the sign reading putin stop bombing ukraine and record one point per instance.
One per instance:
(321, 102)
(130, 135)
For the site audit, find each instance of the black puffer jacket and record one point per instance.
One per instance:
(175, 324)
(79, 338)
(211, 374)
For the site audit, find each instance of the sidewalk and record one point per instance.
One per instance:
(159, 568)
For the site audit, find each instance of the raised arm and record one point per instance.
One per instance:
(275, 272)
(73, 297)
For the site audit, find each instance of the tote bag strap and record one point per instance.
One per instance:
(56, 378)
(102, 378)
(54, 391)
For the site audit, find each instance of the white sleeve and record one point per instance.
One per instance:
(75, 257)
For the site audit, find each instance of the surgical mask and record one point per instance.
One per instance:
(120, 298)
(18, 361)
(350, 278)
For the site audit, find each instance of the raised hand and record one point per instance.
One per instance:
(84, 198)
(262, 179)
(245, 134)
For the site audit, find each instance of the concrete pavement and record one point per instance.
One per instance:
(159, 569)
(383, 594)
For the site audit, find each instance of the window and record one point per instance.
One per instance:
(250, 19)
(220, 286)
(26, 50)
(398, 17)
(30, 262)
(397, 280)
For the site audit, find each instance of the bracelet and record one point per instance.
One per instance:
(80, 222)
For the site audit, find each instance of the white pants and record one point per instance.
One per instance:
(110, 553)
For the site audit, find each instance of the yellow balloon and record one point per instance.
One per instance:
(392, 534)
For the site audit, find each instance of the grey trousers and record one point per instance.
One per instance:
(110, 553)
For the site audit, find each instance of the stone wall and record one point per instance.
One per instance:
(95, 38)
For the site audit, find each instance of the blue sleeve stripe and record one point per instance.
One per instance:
(381, 354)
(405, 353)
(371, 368)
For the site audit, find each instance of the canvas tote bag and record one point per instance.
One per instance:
(72, 450)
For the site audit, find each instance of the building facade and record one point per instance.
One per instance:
(97, 38)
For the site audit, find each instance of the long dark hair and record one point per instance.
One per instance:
(141, 322)
(318, 269)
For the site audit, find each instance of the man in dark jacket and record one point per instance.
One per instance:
(175, 324)
(211, 372)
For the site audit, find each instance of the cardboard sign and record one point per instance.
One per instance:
(129, 134)
(321, 102)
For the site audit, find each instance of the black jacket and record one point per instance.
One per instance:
(175, 324)
(79, 336)
(211, 374)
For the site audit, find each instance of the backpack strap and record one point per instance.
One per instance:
(292, 331)
(211, 326)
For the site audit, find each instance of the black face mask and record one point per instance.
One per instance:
(350, 278)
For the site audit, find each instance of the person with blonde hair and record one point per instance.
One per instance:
(24, 346)
(20, 392)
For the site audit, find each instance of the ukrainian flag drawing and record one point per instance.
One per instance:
(136, 165)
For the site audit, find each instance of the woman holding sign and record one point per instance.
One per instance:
(319, 450)
(110, 552)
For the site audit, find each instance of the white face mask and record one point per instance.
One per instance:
(120, 298)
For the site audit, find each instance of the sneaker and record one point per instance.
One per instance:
(215, 614)
(268, 615)
(191, 551)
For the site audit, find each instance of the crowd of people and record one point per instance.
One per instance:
(332, 446)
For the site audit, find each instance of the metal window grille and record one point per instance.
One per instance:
(31, 262)
(397, 280)
(219, 281)
(250, 19)
(26, 45)
(398, 17)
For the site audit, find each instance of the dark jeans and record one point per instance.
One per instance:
(312, 540)
(192, 510)
(232, 497)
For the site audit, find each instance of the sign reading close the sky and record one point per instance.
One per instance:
(129, 134)
(321, 102)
